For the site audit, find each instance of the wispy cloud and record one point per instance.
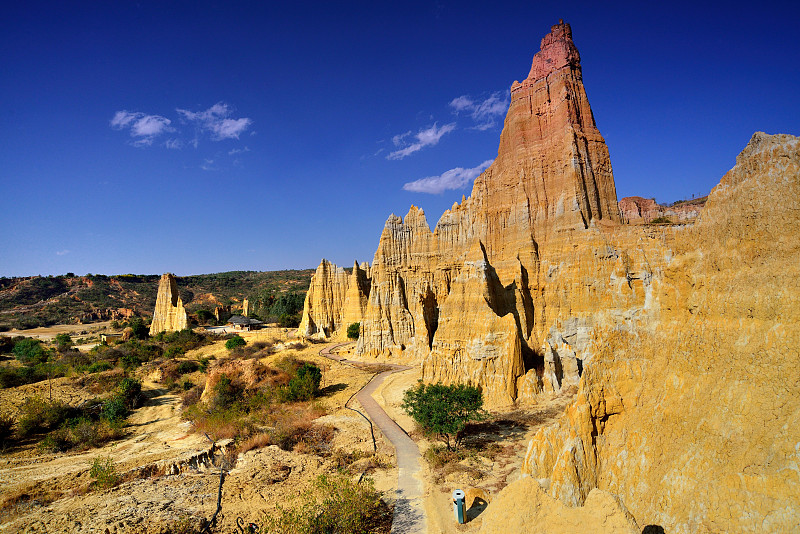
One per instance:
(453, 179)
(485, 112)
(238, 151)
(62, 252)
(217, 120)
(174, 144)
(208, 165)
(409, 143)
(143, 127)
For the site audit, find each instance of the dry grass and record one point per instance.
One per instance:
(21, 499)
(99, 383)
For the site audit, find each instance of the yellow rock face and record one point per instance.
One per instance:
(169, 314)
(550, 188)
(683, 343)
(335, 299)
(523, 506)
(691, 417)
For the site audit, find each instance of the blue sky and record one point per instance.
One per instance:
(199, 137)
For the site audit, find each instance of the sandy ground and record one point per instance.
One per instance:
(47, 333)
(159, 442)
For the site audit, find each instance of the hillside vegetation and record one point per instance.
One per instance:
(30, 302)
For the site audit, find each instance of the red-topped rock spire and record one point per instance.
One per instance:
(550, 146)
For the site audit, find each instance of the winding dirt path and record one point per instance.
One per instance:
(409, 511)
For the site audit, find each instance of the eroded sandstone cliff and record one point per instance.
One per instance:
(681, 342)
(692, 417)
(550, 188)
(169, 314)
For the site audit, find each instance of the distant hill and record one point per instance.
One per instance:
(29, 302)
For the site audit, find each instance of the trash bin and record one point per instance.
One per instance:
(459, 506)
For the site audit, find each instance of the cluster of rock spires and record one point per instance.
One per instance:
(169, 314)
(468, 299)
(681, 342)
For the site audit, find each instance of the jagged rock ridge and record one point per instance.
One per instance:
(551, 181)
(682, 342)
(169, 314)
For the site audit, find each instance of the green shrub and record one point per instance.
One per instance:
(187, 366)
(305, 385)
(6, 344)
(37, 414)
(336, 505)
(353, 330)
(114, 410)
(11, 377)
(130, 361)
(444, 411)
(30, 351)
(130, 390)
(98, 367)
(173, 352)
(289, 321)
(56, 441)
(104, 472)
(140, 330)
(226, 393)
(661, 220)
(438, 456)
(235, 342)
(63, 341)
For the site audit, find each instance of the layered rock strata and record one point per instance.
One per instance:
(692, 417)
(638, 210)
(335, 299)
(169, 314)
(680, 343)
(550, 187)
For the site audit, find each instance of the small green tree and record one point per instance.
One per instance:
(444, 411)
(235, 342)
(305, 386)
(140, 330)
(353, 330)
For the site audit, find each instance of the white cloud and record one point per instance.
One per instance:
(462, 102)
(207, 165)
(217, 121)
(485, 113)
(238, 151)
(144, 128)
(425, 137)
(62, 252)
(175, 144)
(453, 179)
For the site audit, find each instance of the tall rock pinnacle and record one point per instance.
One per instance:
(550, 184)
(550, 150)
(169, 314)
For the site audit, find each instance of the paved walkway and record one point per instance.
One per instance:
(409, 509)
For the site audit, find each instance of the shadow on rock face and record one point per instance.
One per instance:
(653, 529)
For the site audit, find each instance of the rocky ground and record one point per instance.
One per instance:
(170, 472)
